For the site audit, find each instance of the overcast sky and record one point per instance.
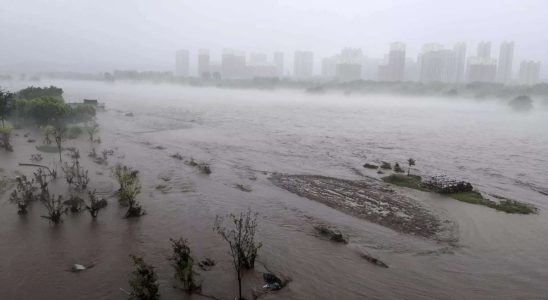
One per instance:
(101, 35)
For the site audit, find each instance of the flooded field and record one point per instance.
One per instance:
(246, 136)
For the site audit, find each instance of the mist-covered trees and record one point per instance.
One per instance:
(7, 105)
(42, 106)
(32, 92)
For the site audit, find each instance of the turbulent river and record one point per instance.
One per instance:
(247, 134)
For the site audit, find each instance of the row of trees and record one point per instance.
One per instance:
(41, 106)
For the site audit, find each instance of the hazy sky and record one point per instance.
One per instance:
(101, 35)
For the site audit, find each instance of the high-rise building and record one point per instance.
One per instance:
(484, 50)
(396, 62)
(349, 64)
(233, 64)
(506, 60)
(329, 67)
(303, 64)
(258, 59)
(411, 72)
(203, 63)
(481, 69)
(529, 72)
(437, 64)
(460, 60)
(182, 63)
(279, 63)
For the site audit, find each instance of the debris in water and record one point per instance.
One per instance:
(332, 234)
(206, 264)
(374, 260)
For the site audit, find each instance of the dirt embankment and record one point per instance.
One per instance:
(369, 200)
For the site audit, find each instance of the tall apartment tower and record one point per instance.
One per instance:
(203, 63)
(396, 62)
(279, 63)
(460, 60)
(303, 64)
(484, 50)
(182, 63)
(437, 64)
(506, 60)
(348, 65)
(529, 72)
(234, 64)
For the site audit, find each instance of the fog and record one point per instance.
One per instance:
(376, 165)
(93, 36)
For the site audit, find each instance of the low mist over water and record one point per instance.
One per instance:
(245, 136)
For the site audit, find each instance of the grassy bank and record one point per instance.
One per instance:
(473, 197)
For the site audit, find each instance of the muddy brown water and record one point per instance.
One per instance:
(244, 135)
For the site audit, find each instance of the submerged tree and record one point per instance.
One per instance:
(143, 281)
(130, 187)
(183, 264)
(239, 233)
(95, 204)
(5, 137)
(48, 132)
(54, 208)
(92, 129)
(410, 163)
(59, 134)
(74, 174)
(23, 193)
(7, 105)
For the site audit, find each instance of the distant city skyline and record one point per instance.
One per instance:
(93, 36)
(435, 63)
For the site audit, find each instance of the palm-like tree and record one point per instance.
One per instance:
(410, 162)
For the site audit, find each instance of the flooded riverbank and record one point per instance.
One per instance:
(247, 135)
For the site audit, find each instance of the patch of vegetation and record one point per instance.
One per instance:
(398, 169)
(55, 208)
(183, 264)
(239, 233)
(95, 204)
(144, 281)
(468, 195)
(5, 137)
(74, 204)
(23, 193)
(411, 181)
(92, 129)
(32, 92)
(7, 105)
(74, 173)
(130, 187)
(505, 205)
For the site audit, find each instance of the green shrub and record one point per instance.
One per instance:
(5, 137)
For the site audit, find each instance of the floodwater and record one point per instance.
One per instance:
(244, 134)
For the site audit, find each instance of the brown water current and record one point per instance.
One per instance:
(248, 135)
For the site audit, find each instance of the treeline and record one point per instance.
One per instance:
(41, 106)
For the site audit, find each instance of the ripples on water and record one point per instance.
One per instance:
(243, 133)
